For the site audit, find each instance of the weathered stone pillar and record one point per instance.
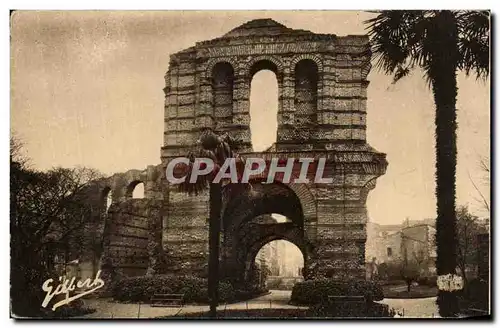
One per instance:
(241, 109)
(204, 104)
(342, 218)
(155, 247)
(286, 109)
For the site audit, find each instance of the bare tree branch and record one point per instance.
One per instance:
(484, 201)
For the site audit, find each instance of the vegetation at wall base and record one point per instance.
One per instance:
(68, 311)
(142, 288)
(476, 295)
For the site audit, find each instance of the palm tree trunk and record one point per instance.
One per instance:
(213, 251)
(444, 87)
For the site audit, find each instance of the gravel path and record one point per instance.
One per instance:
(106, 308)
(414, 307)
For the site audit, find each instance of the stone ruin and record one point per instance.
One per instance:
(322, 95)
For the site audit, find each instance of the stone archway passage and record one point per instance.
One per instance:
(263, 234)
(243, 237)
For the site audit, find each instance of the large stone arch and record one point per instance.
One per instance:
(307, 201)
(257, 198)
(242, 236)
(305, 197)
(271, 232)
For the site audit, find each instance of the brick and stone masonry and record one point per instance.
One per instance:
(322, 84)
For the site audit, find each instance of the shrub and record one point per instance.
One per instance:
(428, 281)
(73, 309)
(142, 288)
(350, 310)
(317, 291)
(477, 294)
(274, 283)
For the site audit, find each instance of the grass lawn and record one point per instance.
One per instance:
(400, 291)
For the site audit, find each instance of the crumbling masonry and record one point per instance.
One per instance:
(322, 113)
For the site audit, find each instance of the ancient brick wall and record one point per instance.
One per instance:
(129, 230)
(128, 237)
(185, 235)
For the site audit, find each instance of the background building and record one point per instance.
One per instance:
(412, 240)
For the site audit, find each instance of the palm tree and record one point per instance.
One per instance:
(440, 43)
(217, 148)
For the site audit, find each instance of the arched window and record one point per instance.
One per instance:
(222, 86)
(107, 198)
(306, 91)
(263, 105)
(135, 190)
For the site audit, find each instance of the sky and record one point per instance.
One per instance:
(86, 89)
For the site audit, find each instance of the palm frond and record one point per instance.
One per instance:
(218, 149)
(395, 37)
(400, 72)
(474, 42)
(201, 183)
(387, 40)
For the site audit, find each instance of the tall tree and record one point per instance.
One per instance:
(218, 149)
(48, 215)
(468, 228)
(440, 42)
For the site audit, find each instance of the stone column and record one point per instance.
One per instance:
(286, 107)
(204, 110)
(241, 109)
(342, 218)
(155, 247)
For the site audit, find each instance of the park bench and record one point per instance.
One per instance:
(173, 300)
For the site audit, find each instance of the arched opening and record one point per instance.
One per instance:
(278, 265)
(263, 105)
(222, 88)
(138, 191)
(279, 218)
(107, 198)
(135, 190)
(98, 234)
(306, 91)
(274, 199)
(252, 218)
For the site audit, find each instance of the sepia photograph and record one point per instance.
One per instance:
(236, 165)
